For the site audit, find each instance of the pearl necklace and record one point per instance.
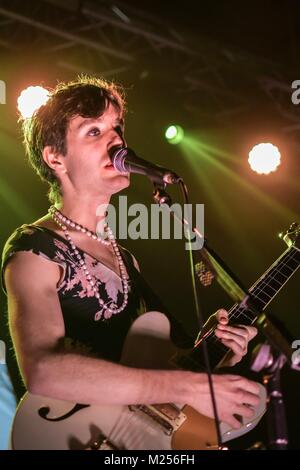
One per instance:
(62, 221)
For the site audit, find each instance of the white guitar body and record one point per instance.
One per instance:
(157, 427)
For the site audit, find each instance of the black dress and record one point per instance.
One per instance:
(90, 328)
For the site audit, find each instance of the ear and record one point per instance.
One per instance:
(54, 160)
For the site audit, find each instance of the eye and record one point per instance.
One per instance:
(94, 132)
(120, 130)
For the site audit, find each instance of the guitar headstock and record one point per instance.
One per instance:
(291, 236)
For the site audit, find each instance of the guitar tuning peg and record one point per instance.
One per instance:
(294, 227)
(291, 235)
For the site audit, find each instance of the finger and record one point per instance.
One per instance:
(252, 331)
(247, 398)
(235, 348)
(222, 316)
(236, 329)
(248, 386)
(244, 384)
(232, 421)
(229, 336)
(243, 330)
(245, 411)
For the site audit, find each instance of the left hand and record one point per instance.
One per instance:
(234, 337)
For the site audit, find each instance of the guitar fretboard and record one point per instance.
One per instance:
(260, 295)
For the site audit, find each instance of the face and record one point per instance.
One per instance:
(87, 163)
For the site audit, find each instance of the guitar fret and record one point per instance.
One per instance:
(287, 270)
(277, 282)
(247, 317)
(268, 286)
(245, 313)
(281, 272)
(280, 277)
(260, 297)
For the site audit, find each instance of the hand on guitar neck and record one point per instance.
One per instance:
(234, 394)
(236, 337)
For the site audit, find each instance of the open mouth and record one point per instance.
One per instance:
(109, 166)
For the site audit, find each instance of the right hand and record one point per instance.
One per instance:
(233, 395)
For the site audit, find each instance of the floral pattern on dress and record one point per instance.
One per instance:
(79, 306)
(73, 282)
(107, 281)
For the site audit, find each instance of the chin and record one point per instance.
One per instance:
(119, 183)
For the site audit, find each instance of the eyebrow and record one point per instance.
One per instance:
(88, 121)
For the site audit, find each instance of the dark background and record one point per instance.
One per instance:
(223, 71)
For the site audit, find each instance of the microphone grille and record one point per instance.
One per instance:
(118, 159)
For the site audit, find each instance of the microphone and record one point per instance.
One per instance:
(125, 160)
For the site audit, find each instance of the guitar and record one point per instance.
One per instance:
(45, 423)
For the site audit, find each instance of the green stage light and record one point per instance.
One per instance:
(174, 134)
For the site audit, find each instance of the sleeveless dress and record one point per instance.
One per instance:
(90, 329)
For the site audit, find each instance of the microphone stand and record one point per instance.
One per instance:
(160, 196)
(270, 361)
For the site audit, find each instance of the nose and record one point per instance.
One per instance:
(117, 138)
(120, 133)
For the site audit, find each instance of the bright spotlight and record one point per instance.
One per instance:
(31, 99)
(174, 134)
(264, 158)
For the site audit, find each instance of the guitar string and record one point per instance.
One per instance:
(261, 287)
(242, 311)
(257, 287)
(276, 270)
(237, 311)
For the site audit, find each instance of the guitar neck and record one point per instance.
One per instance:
(267, 287)
(260, 295)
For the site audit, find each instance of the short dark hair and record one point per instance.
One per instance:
(87, 97)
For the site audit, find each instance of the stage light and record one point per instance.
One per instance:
(31, 99)
(174, 134)
(264, 158)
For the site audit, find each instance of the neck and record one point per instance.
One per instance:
(88, 212)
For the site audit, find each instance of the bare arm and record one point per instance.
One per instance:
(37, 328)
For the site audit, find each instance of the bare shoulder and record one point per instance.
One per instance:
(47, 222)
(25, 269)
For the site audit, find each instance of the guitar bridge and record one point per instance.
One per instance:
(167, 415)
